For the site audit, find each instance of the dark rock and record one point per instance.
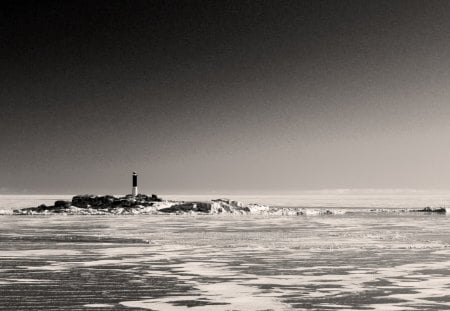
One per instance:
(155, 198)
(107, 200)
(43, 207)
(142, 197)
(439, 210)
(126, 203)
(62, 204)
(187, 207)
(81, 201)
(203, 207)
(116, 202)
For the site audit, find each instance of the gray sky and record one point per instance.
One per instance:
(236, 96)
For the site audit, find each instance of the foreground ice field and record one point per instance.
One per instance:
(382, 262)
(356, 261)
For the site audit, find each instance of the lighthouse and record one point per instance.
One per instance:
(134, 190)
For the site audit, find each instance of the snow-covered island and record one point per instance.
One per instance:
(142, 204)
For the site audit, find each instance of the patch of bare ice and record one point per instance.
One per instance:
(39, 253)
(98, 305)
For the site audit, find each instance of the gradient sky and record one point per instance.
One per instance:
(229, 96)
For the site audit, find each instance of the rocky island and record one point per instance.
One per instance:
(140, 204)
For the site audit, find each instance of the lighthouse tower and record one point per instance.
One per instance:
(134, 190)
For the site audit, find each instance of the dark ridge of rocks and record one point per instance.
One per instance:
(93, 202)
(439, 210)
(202, 207)
(219, 206)
(107, 201)
(429, 210)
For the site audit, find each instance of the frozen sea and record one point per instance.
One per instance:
(355, 261)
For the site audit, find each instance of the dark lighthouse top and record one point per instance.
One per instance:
(134, 179)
